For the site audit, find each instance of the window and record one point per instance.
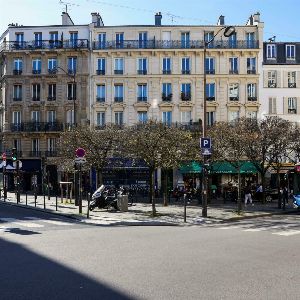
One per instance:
(210, 65)
(70, 116)
(101, 66)
(167, 117)
(35, 147)
(234, 92)
(272, 106)
(186, 117)
(210, 118)
(250, 38)
(292, 105)
(119, 65)
(210, 92)
(232, 41)
(17, 92)
(233, 65)
(16, 117)
(251, 65)
(52, 65)
(18, 66)
(74, 39)
(53, 41)
(251, 92)
(143, 39)
(166, 65)
(142, 92)
(272, 79)
(17, 145)
(290, 52)
(38, 40)
(101, 118)
(119, 93)
(208, 36)
(142, 116)
(51, 146)
(185, 40)
(251, 114)
(100, 93)
(185, 91)
(35, 116)
(142, 66)
(120, 40)
(167, 92)
(36, 66)
(19, 40)
(291, 79)
(36, 92)
(51, 92)
(119, 118)
(102, 40)
(271, 51)
(233, 116)
(71, 91)
(51, 116)
(72, 65)
(185, 65)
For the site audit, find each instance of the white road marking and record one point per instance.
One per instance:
(21, 223)
(287, 233)
(229, 227)
(54, 222)
(253, 230)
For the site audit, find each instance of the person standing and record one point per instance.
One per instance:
(259, 192)
(248, 195)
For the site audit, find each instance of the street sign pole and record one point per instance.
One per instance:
(4, 175)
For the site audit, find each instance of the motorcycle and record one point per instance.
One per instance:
(296, 201)
(104, 197)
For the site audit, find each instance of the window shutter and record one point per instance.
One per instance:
(285, 105)
(274, 108)
(265, 79)
(298, 79)
(278, 76)
(270, 106)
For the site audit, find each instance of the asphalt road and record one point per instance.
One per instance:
(49, 257)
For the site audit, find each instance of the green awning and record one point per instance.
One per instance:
(223, 167)
(192, 167)
(248, 167)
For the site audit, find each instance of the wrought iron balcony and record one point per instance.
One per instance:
(251, 71)
(53, 126)
(292, 111)
(272, 85)
(185, 72)
(118, 99)
(210, 71)
(119, 72)
(211, 98)
(166, 97)
(51, 153)
(185, 96)
(17, 127)
(51, 98)
(52, 71)
(17, 99)
(142, 72)
(71, 97)
(175, 44)
(233, 72)
(166, 72)
(292, 84)
(234, 98)
(35, 153)
(252, 98)
(36, 99)
(45, 44)
(36, 127)
(142, 99)
(100, 99)
(36, 71)
(100, 72)
(17, 72)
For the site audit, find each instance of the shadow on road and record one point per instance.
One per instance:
(27, 275)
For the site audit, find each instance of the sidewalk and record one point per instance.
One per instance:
(140, 213)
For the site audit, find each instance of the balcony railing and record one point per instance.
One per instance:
(17, 72)
(185, 72)
(52, 71)
(142, 99)
(164, 44)
(251, 71)
(36, 71)
(272, 85)
(142, 72)
(210, 71)
(100, 99)
(234, 98)
(210, 98)
(118, 99)
(292, 111)
(51, 153)
(71, 97)
(119, 72)
(36, 127)
(292, 84)
(166, 97)
(51, 98)
(166, 72)
(35, 153)
(36, 98)
(17, 99)
(100, 72)
(252, 98)
(185, 96)
(233, 72)
(45, 44)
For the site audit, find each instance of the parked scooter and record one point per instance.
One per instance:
(296, 201)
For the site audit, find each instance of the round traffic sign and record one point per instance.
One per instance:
(80, 152)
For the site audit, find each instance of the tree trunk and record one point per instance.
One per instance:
(278, 189)
(151, 192)
(239, 200)
(100, 177)
(263, 184)
(166, 188)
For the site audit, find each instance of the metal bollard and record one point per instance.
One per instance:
(44, 201)
(26, 198)
(56, 202)
(35, 196)
(88, 206)
(184, 199)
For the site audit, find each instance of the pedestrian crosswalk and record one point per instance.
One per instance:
(30, 223)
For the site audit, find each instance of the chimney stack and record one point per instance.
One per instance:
(96, 19)
(158, 18)
(66, 19)
(221, 20)
(256, 17)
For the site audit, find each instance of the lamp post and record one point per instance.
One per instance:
(228, 31)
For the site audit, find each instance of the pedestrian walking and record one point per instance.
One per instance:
(248, 195)
(259, 192)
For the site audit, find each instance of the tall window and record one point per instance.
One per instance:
(36, 66)
(251, 65)
(143, 39)
(101, 118)
(38, 40)
(72, 65)
(52, 65)
(185, 91)
(167, 117)
(19, 40)
(271, 51)
(35, 147)
(232, 41)
(234, 92)
(166, 91)
(74, 39)
(250, 38)
(51, 116)
(36, 92)
(51, 146)
(142, 66)
(185, 65)
(233, 116)
(119, 65)
(101, 66)
(142, 116)
(186, 117)
(166, 65)
(290, 52)
(53, 41)
(185, 40)
(251, 92)
(210, 92)
(272, 79)
(272, 106)
(210, 118)
(210, 65)
(16, 117)
(208, 36)
(100, 93)
(18, 66)
(119, 93)
(251, 115)
(233, 65)
(120, 40)
(18, 144)
(70, 116)
(51, 92)
(292, 79)
(142, 92)
(17, 92)
(102, 40)
(292, 105)
(72, 91)
(119, 118)
(36, 116)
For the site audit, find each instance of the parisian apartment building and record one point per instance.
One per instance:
(55, 76)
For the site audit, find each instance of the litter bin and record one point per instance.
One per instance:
(123, 202)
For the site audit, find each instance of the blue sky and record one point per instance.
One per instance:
(281, 18)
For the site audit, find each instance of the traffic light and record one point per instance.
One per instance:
(14, 156)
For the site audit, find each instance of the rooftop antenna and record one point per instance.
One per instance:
(67, 4)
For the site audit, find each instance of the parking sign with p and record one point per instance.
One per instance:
(205, 143)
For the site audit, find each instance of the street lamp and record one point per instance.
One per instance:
(228, 31)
